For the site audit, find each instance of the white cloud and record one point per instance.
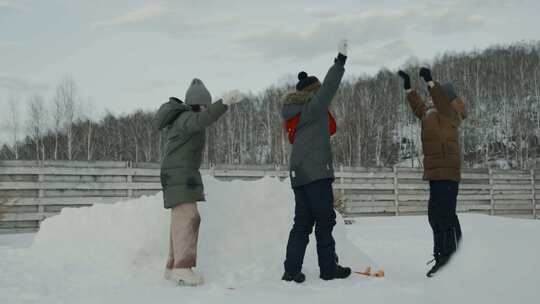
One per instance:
(322, 12)
(449, 21)
(376, 56)
(8, 3)
(361, 27)
(16, 84)
(7, 44)
(136, 16)
(18, 5)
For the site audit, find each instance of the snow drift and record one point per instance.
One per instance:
(245, 226)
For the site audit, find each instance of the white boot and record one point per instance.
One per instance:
(183, 277)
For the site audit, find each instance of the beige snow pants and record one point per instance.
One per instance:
(184, 235)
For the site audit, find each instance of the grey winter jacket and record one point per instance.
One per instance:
(311, 156)
(186, 134)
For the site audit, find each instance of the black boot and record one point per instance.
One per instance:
(298, 277)
(339, 273)
(440, 261)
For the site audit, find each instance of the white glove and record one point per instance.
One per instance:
(233, 97)
(343, 44)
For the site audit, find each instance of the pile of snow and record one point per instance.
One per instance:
(245, 226)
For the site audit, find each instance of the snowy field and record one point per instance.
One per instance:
(116, 254)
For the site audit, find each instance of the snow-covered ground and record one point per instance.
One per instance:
(116, 254)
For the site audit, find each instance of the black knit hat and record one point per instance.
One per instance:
(305, 81)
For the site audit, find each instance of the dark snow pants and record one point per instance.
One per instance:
(314, 207)
(442, 216)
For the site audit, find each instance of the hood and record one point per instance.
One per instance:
(455, 101)
(459, 106)
(168, 112)
(197, 94)
(450, 91)
(293, 103)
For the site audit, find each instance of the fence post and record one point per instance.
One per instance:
(278, 172)
(129, 180)
(491, 199)
(212, 170)
(342, 181)
(396, 190)
(533, 194)
(41, 194)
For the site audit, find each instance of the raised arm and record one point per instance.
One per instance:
(439, 96)
(415, 101)
(322, 99)
(418, 105)
(440, 99)
(192, 122)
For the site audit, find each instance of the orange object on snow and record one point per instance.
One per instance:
(367, 273)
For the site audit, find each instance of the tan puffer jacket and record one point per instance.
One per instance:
(440, 133)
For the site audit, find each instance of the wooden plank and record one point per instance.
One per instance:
(23, 208)
(462, 208)
(19, 163)
(371, 175)
(512, 176)
(18, 230)
(413, 197)
(139, 193)
(492, 201)
(369, 204)
(511, 187)
(514, 213)
(408, 209)
(77, 171)
(474, 202)
(146, 179)
(32, 201)
(396, 190)
(509, 206)
(364, 186)
(410, 175)
(58, 208)
(525, 196)
(370, 197)
(26, 216)
(533, 194)
(422, 186)
(70, 164)
(474, 176)
(246, 173)
(86, 193)
(78, 186)
(350, 210)
(18, 178)
(510, 172)
(425, 196)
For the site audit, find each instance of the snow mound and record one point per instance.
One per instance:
(244, 230)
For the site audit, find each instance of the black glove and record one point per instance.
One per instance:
(426, 74)
(406, 80)
(341, 59)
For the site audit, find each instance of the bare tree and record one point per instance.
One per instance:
(37, 124)
(14, 123)
(57, 115)
(66, 98)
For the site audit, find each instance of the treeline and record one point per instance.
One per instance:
(375, 125)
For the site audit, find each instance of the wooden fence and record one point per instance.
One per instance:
(39, 190)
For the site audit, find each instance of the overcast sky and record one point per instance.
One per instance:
(126, 55)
